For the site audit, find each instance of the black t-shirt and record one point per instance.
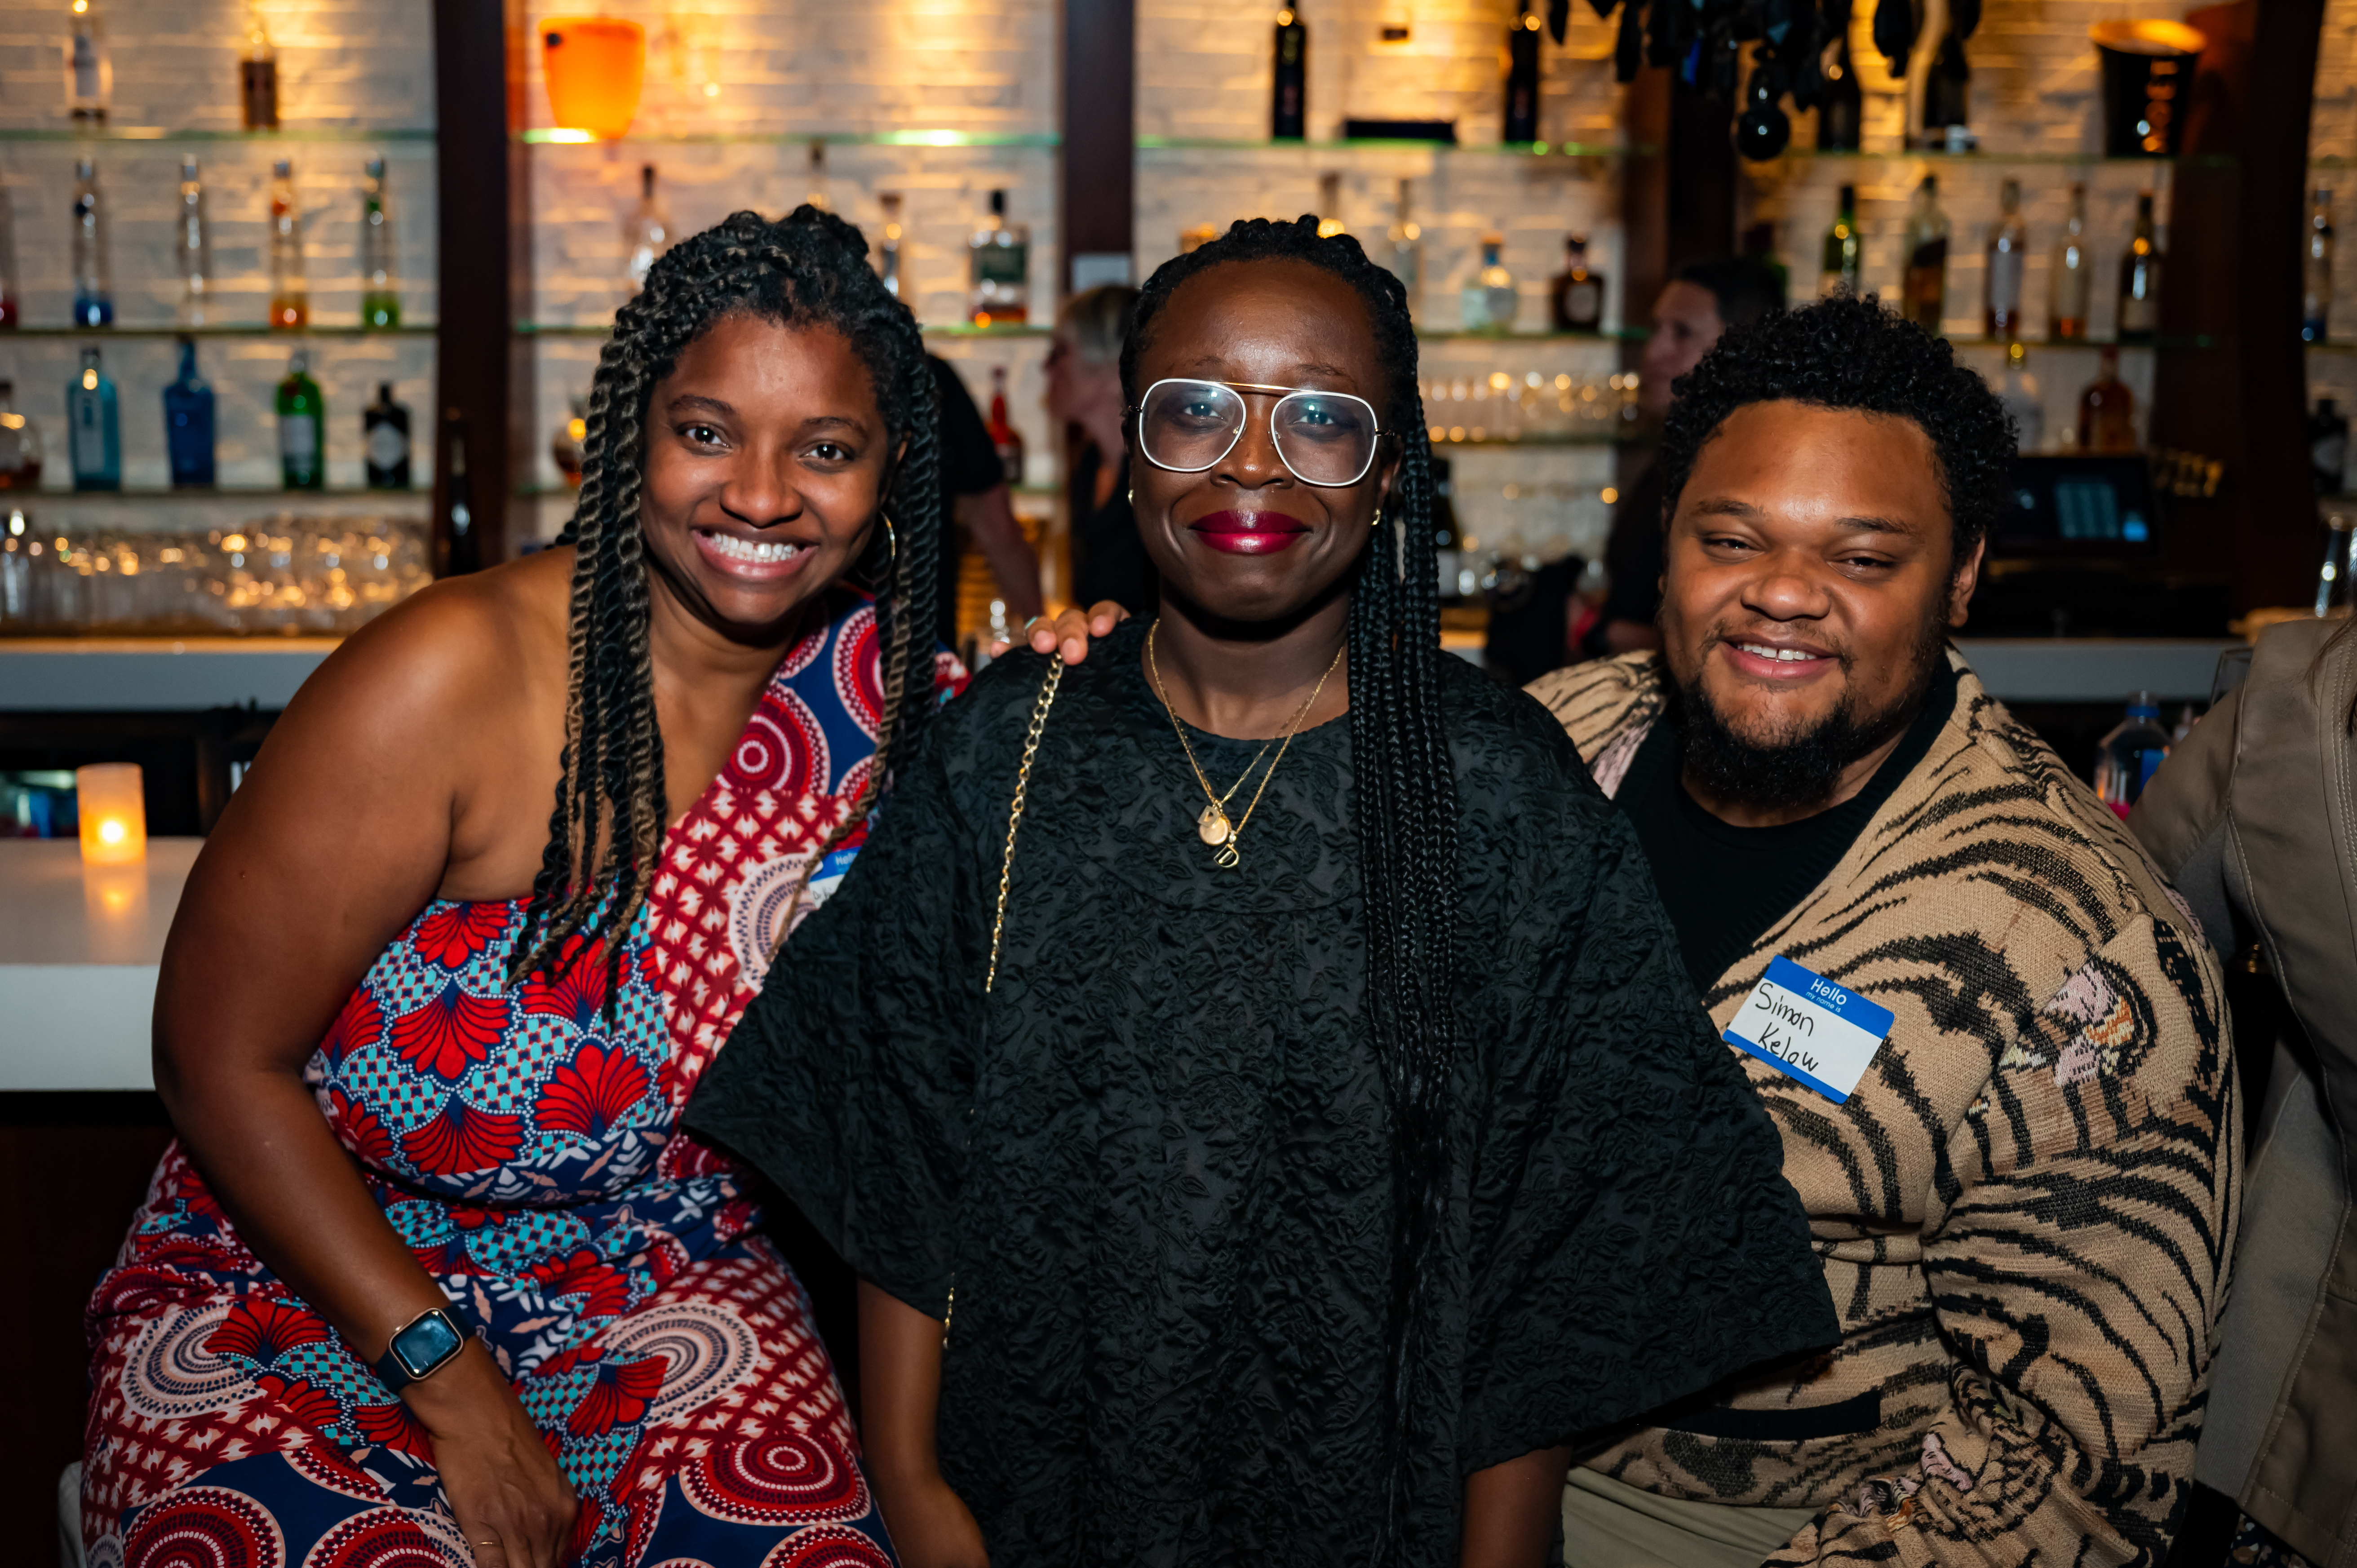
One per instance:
(1109, 561)
(969, 465)
(1632, 555)
(1724, 885)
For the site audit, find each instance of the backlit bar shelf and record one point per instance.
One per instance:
(2056, 344)
(546, 136)
(240, 329)
(1620, 334)
(14, 498)
(561, 330)
(568, 492)
(1398, 144)
(1535, 439)
(266, 138)
(1992, 159)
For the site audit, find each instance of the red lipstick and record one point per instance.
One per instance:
(1248, 533)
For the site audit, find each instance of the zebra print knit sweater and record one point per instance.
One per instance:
(2026, 1209)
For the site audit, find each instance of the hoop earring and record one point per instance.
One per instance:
(891, 540)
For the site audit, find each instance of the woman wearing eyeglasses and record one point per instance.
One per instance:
(1250, 1071)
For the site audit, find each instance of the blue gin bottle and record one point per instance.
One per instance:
(189, 424)
(93, 286)
(95, 427)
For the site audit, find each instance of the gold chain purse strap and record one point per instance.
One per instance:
(1006, 871)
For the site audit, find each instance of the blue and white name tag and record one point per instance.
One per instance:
(757, 908)
(1807, 1028)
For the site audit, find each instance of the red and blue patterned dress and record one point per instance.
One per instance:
(528, 1150)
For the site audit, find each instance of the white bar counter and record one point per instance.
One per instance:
(79, 949)
(155, 674)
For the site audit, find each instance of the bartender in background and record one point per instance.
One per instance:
(1705, 298)
(1085, 391)
(978, 507)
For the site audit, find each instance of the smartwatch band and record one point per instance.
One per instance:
(420, 1347)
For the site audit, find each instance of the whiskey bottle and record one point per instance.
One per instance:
(998, 270)
(193, 239)
(93, 288)
(384, 442)
(2140, 308)
(457, 544)
(1841, 106)
(2107, 409)
(93, 428)
(301, 429)
(290, 299)
(1845, 251)
(1002, 434)
(565, 448)
(1522, 76)
(646, 234)
(257, 76)
(1406, 238)
(188, 425)
(2008, 256)
(888, 249)
(1577, 296)
(90, 71)
(2072, 277)
(20, 445)
(1923, 289)
(1289, 110)
(379, 291)
(1488, 301)
(2018, 393)
(2315, 270)
(1329, 206)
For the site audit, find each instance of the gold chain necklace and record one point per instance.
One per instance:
(1212, 825)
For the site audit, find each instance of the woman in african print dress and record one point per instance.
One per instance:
(426, 1042)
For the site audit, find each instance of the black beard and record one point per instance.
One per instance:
(1800, 768)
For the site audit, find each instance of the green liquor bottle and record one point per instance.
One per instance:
(301, 429)
(380, 290)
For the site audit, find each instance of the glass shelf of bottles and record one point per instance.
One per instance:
(1991, 157)
(1399, 144)
(163, 133)
(1454, 435)
(555, 137)
(1608, 334)
(258, 329)
(958, 329)
(2048, 345)
(13, 499)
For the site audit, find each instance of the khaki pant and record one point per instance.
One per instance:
(1611, 1524)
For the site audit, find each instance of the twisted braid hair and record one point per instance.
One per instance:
(1405, 788)
(604, 833)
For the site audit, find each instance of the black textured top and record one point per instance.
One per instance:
(1725, 886)
(1154, 1162)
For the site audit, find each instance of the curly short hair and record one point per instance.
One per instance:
(1848, 352)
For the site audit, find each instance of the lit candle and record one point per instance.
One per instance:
(113, 811)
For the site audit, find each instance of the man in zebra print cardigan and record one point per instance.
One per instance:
(2027, 1201)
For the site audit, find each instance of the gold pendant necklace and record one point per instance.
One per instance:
(1212, 824)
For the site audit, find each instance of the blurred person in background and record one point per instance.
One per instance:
(978, 507)
(2251, 816)
(1085, 391)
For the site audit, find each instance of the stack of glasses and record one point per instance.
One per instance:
(281, 576)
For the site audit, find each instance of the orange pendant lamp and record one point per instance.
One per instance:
(595, 67)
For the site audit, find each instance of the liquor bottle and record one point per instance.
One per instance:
(1923, 290)
(457, 545)
(1841, 106)
(1329, 206)
(89, 73)
(20, 445)
(93, 428)
(193, 240)
(188, 425)
(2126, 758)
(2328, 447)
(1488, 301)
(1288, 111)
(385, 441)
(564, 446)
(10, 316)
(2139, 311)
(2107, 409)
(92, 275)
(1947, 96)
(1447, 538)
(1406, 259)
(2315, 270)
(887, 252)
(290, 299)
(2008, 257)
(1003, 435)
(2018, 393)
(1844, 250)
(257, 76)
(1578, 294)
(647, 233)
(380, 275)
(1522, 76)
(301, 429)
(998, 270)
(2072, 277)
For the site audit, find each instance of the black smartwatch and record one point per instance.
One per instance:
(421, 1346)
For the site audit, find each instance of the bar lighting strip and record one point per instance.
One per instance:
(165, 133)
(561, 136)
(1403, 145)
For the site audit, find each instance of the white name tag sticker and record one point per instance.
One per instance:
(1807, 1028)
